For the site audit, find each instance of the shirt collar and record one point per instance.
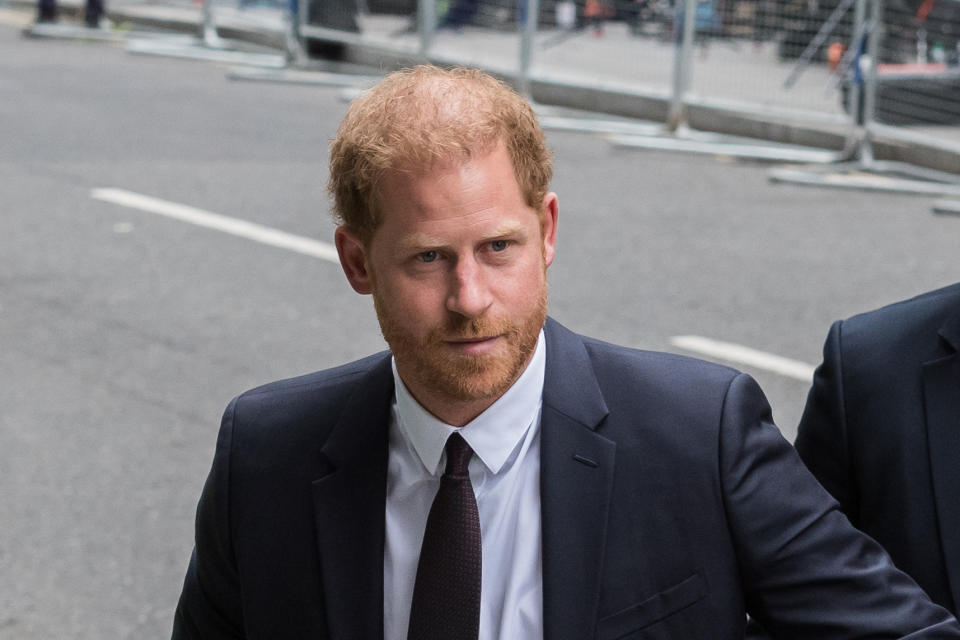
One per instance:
(493, 435)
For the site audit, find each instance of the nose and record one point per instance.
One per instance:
(469, 294)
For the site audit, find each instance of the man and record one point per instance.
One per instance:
(881, 431)
(495, 475)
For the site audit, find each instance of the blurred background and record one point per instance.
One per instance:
(733, 176)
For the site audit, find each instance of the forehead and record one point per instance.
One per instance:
(460, 191)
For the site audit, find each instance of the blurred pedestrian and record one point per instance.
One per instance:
(763, 12)
(47, 11)
(459, 14)
(566, 15)
(595, 14)
(93, 12)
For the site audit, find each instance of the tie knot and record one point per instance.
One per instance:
(458, 456)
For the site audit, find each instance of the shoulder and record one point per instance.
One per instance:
(304, 407)
(672, 407)
(907, 329)
(932, 307)
(313, 386)
(657, 370)
(666, 393)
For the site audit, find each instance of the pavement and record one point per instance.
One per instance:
(737, 87)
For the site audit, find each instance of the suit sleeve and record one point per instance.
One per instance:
(210, 605)
(822, 435)
(807, 573)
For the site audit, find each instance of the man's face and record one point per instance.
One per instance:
(458, 275)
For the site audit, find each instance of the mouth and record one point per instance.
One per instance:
(473, 345)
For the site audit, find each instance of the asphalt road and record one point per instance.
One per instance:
(123, 334)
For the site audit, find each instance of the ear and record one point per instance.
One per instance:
(353, 259)
(548, 213)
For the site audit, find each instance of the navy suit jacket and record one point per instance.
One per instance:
(881, 431)
(670, 505)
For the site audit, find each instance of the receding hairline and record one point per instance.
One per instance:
(413, 171)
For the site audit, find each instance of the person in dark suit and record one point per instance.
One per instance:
(579, 489)
(93, 12)
(881, 431)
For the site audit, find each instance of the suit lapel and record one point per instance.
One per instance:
(349, 501)
(576, 479)
(941, 385)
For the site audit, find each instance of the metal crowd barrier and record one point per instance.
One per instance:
(862, 71)
(659, 58)
(916, 81)
(857, 69)
(898, 92)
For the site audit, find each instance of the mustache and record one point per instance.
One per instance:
(461, 328)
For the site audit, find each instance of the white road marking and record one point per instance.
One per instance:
(745, 355)
(218, 222)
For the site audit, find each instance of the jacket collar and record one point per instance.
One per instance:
(570, 386)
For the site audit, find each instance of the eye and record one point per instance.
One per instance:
(498, 245)
(428, 256)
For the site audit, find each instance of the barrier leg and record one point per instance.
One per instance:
(210, 36)
(426, 24)
(528, 31)
(677, 115)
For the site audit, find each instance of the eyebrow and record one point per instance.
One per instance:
(422, 241)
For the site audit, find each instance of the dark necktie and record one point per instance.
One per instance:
(446, 594)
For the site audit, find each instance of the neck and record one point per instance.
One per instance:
(453, 410)
(455, 413)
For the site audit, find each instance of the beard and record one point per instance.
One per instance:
(460, 376)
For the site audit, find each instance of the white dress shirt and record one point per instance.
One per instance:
(505, 473)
